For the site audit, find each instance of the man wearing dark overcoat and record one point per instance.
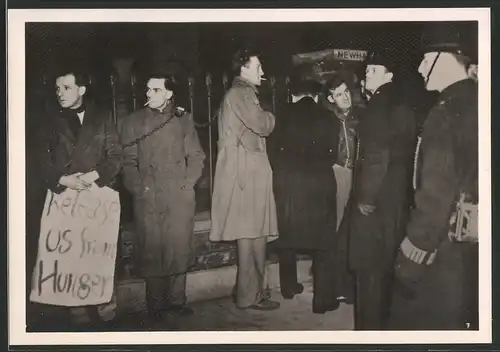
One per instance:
(387, 137)
(84, 139)
(302, 151)
(162, 162)
(437, 265)
(79, 144)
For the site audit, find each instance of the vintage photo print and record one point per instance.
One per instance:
(248, 176)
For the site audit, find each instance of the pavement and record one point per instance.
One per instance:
(209, 294)
(222, 315)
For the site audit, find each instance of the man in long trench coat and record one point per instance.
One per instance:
(162, 162)
(243, 206)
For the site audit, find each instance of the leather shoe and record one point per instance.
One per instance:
(263, 304)
(265, 294)
(317, 309)
(298, 289)
(347, 300)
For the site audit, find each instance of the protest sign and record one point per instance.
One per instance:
(77, 248)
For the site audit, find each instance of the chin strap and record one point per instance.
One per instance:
(432, 68)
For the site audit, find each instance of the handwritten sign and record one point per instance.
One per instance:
(77, 248)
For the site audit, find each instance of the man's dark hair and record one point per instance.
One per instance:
(242, 57)
(334, 83)
(82, 76)
(170, 81)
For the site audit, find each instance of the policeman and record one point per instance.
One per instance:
(387, 138)
(436, 267)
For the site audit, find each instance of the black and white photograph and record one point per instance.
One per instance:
(314, 176)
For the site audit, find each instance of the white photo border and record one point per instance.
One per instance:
(16, 174)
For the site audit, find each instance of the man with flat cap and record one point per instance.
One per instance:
(387, 138)
(436, 268)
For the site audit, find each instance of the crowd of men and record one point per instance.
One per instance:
(387, 208)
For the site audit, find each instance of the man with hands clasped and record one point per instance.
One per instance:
(79, 144)
(83, 142)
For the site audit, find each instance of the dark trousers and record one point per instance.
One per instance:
(325, 292)
(373, 298)
(164, 291)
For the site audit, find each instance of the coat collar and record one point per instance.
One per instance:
(461, 88)
(385, 94)
(169, 108)
(241, 82)
(88, 129)
(306, 100)
(341, 115)
(386, 87)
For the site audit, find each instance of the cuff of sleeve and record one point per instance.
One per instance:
(101, 183)
(54, 185)
(415, 254)
(365, 195)
(58, 188)
(366, 200)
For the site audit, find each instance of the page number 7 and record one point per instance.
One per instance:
(467, 325)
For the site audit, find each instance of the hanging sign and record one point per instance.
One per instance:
(350, 55)
(77, 248)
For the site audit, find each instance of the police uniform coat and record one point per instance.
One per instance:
(387, 138)
(161, 171)
(440, 276)
(243, 205)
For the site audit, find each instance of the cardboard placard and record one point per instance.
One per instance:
(77, 248)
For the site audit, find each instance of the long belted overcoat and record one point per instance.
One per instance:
(161, 171)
